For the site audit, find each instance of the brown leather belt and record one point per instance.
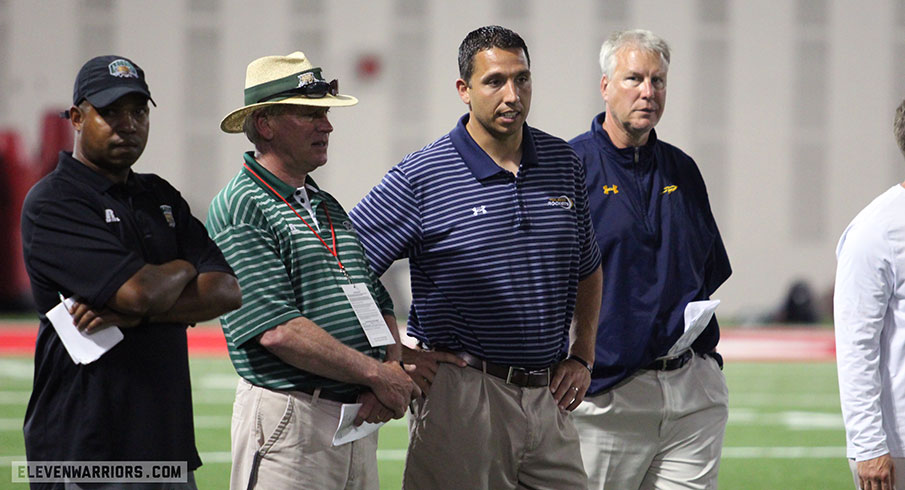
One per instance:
(672, 363)
(514, 375)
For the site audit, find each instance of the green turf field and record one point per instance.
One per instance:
(785, 430)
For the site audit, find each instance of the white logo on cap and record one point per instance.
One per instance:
(122, 69)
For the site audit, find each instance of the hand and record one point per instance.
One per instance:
(90, 320)
(569, 384)
(394, 388)
(877, 473)
(372, 410)
(422, 365)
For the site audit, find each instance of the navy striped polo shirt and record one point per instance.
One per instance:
(495, 258)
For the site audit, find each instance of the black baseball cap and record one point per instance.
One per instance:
(104, 79)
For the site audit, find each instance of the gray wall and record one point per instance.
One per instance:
(787, 105)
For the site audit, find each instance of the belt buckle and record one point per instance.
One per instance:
(683, 358)
(515, 370)
(509, 374)
(544, 372)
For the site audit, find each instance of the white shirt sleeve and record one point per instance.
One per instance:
(865, 282)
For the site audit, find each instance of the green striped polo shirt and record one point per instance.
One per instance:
(286, 272)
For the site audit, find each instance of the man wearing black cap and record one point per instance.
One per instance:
(126, 248)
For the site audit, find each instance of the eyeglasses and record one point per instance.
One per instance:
(312, 90)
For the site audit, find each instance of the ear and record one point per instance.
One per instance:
(603, 84)
(76, 118)
(462, 88)
(262, 124)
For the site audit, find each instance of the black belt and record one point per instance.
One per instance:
(332, 396)
(514, 375)
(671, 363)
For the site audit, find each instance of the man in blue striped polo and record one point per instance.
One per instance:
(494, 220)
(309, 336)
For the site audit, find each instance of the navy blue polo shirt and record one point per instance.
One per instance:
(84, 235)
(495, 258)
(660, 245)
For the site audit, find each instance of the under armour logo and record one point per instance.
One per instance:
(669, 189)
(479, 210)
(111, 218)
(614, 189)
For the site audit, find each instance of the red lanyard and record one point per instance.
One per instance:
(332, 250)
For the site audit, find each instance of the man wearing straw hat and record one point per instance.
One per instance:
(494, 219)
(316, 329)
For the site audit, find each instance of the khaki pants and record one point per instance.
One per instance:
(656, 430)
(293, 433)
(476, 432)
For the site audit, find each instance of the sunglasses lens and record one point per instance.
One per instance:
(320, 89)
(316, 90)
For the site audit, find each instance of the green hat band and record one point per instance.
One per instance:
(255, 94)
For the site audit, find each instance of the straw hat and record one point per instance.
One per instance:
(288, 79)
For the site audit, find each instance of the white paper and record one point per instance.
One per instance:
(83, 348)
(697, 317)
(346, 431)
(368, 314)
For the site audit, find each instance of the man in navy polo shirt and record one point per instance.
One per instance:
(494, 220)
(649, 420)
(127, 249)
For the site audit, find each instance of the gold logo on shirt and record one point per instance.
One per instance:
(669, 189)
(613, 188)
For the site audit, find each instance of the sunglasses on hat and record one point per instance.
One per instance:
(313, 90)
